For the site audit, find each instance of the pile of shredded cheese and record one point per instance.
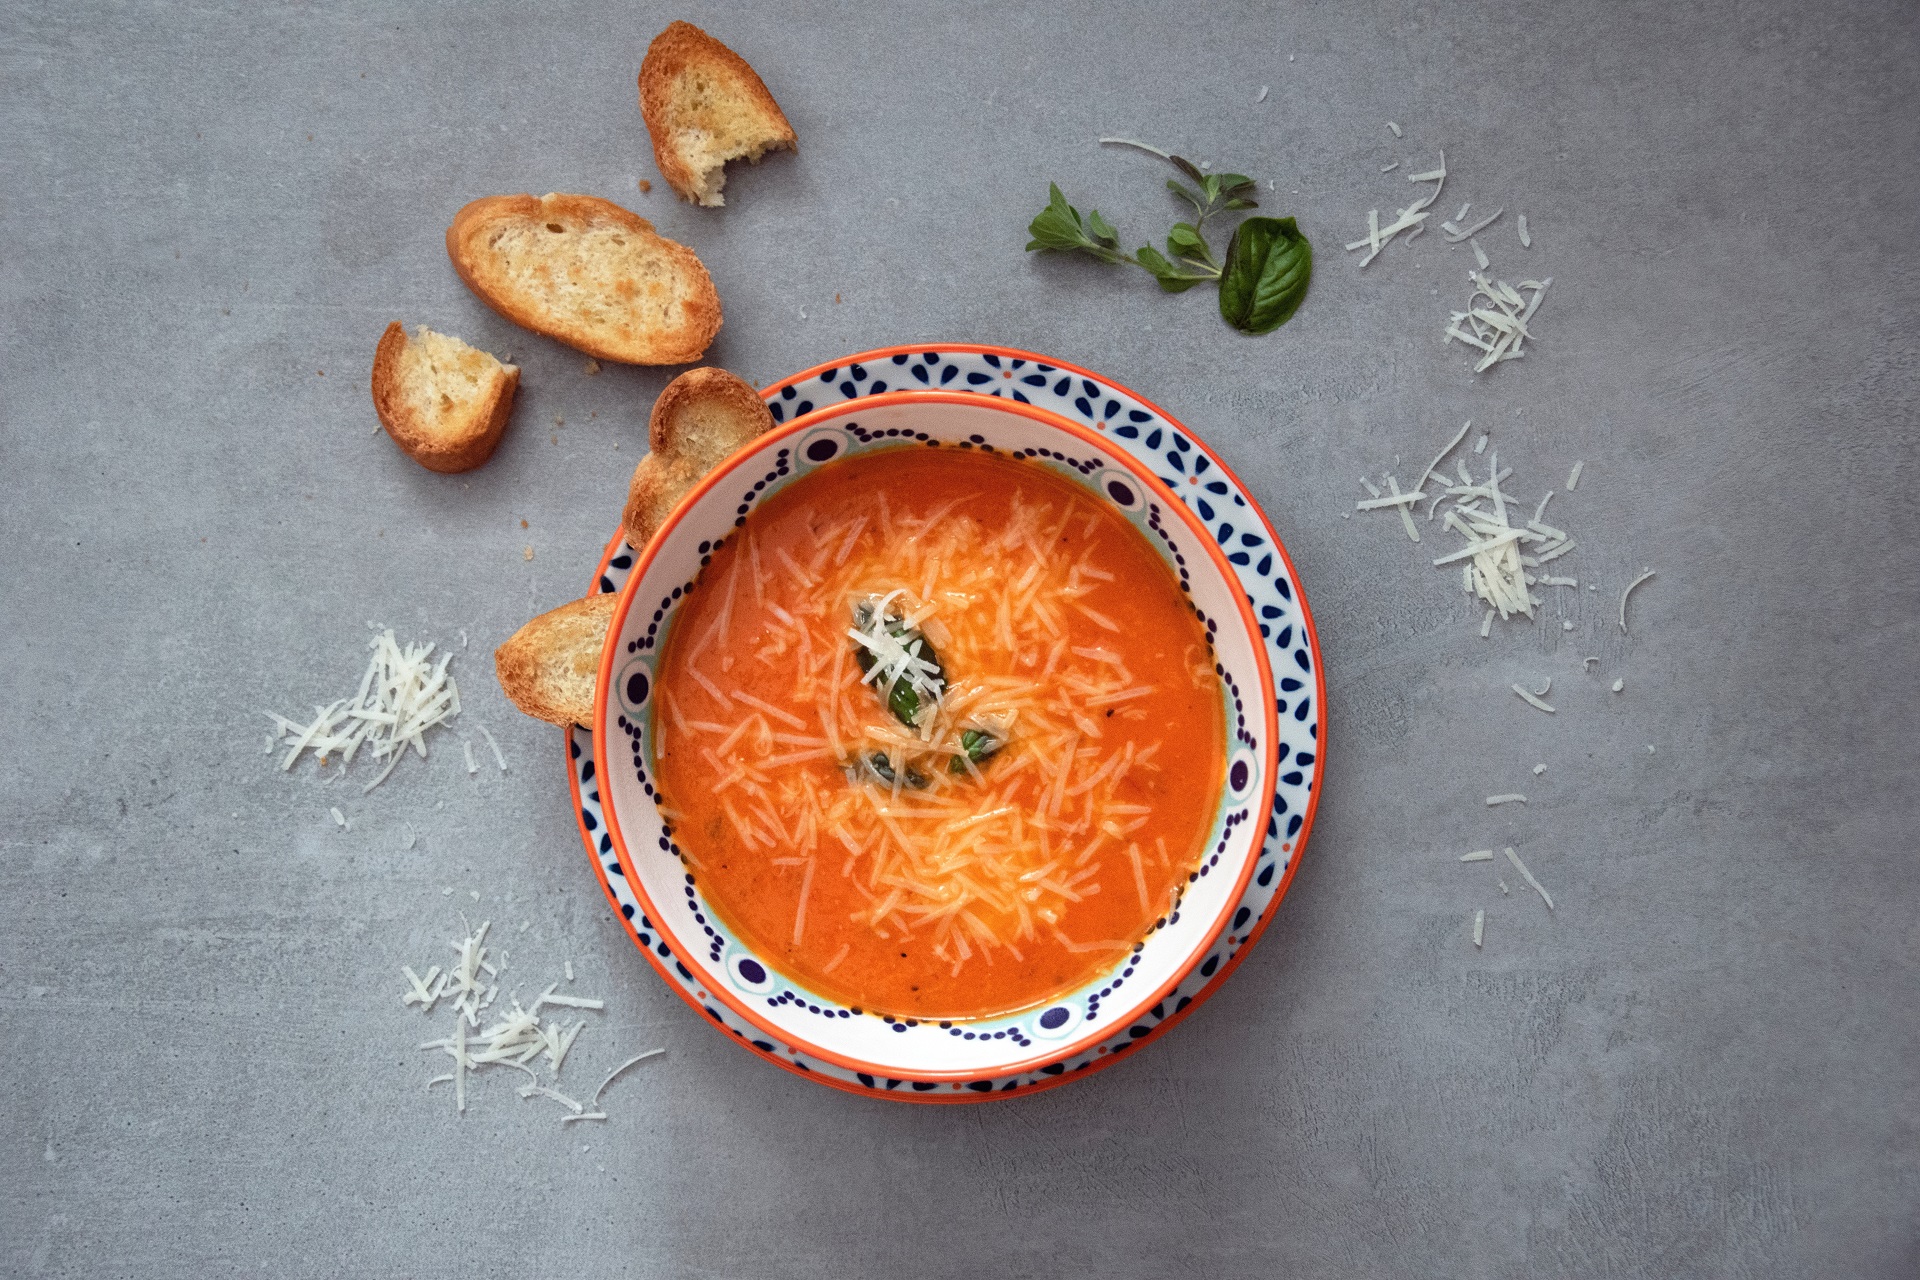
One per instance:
(1502, 561)
(1410, 218)
(516, 1039)
(1497, 314)
(1503, 554)
(403, 693)
(1500, 327)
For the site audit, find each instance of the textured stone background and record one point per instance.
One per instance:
(1703, 1065)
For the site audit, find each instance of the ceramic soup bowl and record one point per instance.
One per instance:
(778, 1014)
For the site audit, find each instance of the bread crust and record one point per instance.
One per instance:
(550, 667)
(467, 248)
(684, 45)
(446, 452)
(731, 414)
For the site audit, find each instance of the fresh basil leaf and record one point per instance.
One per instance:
(976, 745)
(1057, 226)
(1269, 264)
(1172, 278)
(1238, 203)
(1211, 188)
(1236, 184)
(1103, 231)
(903, 700)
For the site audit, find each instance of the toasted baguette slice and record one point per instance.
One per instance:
(705, 106)
(701, 417)
(443, 402)
(550, 666)
(589, 273)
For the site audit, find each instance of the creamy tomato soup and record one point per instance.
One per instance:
(938, 733)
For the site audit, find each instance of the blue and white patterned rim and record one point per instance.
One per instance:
(1246, 539)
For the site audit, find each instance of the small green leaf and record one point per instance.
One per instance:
(1191, 196)
(1236, 184)
(1211, 186)
(1185, 241)
(976, 745)
(1172, 278)
(1103, 231)
(1238, 203)
(1269, 264)
(1057, 226)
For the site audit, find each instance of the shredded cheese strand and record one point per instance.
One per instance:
(1527, 875)
(1623, 598)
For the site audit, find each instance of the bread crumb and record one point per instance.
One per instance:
(529, 553)
(593, 367)
(559, 421)
(523, 524)
(645, 186)
(836, 298)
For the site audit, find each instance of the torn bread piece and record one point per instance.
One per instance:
(705, 106)
(549, 667)
(701, 417)
(444, 403)
(588, 273)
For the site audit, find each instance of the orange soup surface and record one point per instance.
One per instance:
(988, 794)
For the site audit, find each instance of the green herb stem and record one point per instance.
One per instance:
(1264, 274)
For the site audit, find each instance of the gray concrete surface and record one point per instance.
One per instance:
(1703, 1064)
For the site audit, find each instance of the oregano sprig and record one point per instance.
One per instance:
(1262, 278)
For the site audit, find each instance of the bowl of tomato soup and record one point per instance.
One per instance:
(945, 738)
